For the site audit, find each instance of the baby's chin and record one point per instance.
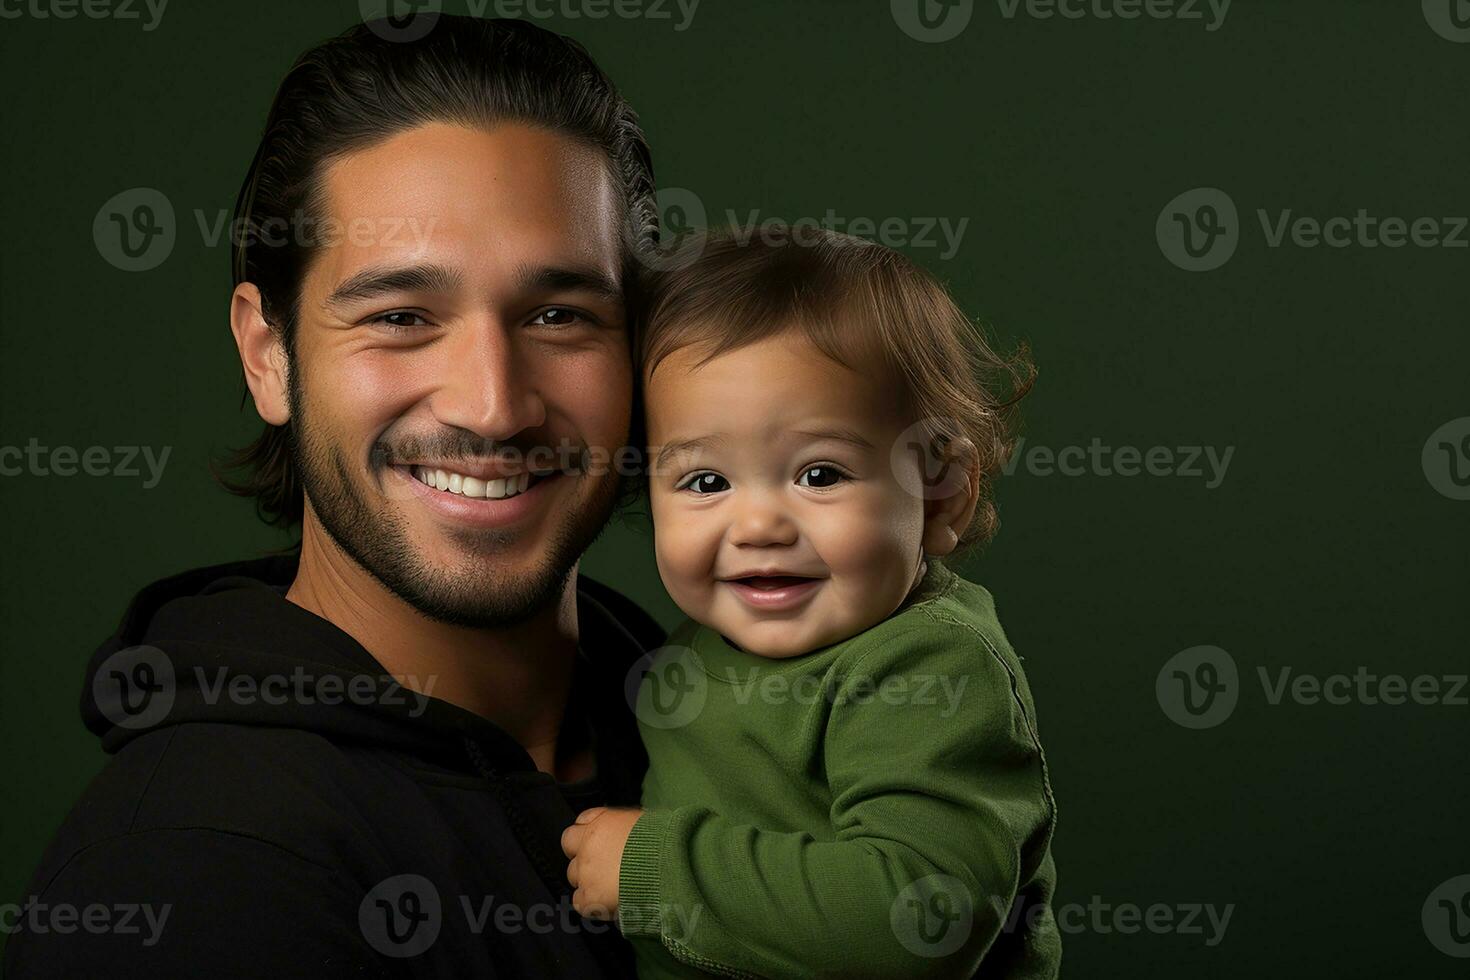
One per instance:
(782, 639)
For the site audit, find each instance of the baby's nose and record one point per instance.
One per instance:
(760, 523)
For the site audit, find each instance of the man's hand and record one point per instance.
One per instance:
(595, 845)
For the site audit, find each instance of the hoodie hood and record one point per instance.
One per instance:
(223, 644)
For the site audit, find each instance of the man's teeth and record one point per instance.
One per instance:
(469, 486)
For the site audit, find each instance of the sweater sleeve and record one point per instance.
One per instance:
(937, 789)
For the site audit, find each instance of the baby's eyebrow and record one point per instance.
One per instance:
(678, 447)
(839, 434)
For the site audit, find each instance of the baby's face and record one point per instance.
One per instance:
(791, 476)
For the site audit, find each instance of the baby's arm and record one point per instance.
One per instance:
(927, 781)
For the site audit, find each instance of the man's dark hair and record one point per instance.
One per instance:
(360, 88)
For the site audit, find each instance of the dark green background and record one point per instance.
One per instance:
(1325, 548)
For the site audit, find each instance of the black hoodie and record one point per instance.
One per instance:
(275, 806)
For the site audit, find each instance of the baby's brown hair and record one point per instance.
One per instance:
(865, 306)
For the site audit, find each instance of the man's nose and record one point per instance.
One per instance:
(486, 383)
(761, 520)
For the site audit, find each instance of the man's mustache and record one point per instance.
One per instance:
(564, 455)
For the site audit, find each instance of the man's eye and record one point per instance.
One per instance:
(706, 483)
(400, 320)
(557, 316)
(821, 476)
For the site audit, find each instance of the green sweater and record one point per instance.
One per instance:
(878, 807)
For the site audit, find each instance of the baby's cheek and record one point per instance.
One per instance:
(874, 553)
(871, 535)
(684, 557)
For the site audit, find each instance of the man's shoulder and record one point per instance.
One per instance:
(182, 851)
(286, 789)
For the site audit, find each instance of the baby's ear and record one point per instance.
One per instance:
(947, 516)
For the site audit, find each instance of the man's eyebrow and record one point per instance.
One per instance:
(669, 450)
(574, 278)
(378, 280)
(839, 434)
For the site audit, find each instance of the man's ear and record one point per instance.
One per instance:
(261, 354)
(946, 517)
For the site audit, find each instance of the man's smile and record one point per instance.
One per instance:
(468, 500)
(454, 481)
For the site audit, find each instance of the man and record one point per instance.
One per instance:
(359, 760)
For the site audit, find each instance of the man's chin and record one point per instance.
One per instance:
(480, 577)
(454, 572)
(475, 577)
(484, 597)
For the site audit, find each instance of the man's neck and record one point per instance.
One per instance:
(518, 677)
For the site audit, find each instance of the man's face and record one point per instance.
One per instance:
(472, 324)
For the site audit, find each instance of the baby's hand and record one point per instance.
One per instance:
(595, 845)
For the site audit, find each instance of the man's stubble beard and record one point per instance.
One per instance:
(379, 542)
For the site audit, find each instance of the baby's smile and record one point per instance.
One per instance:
(774, 591)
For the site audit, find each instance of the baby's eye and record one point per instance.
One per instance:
(821, 476)
(706, 483)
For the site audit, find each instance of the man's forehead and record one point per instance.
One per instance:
(512, 190)
(464, 155)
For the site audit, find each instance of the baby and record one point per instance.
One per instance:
(845, 778)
